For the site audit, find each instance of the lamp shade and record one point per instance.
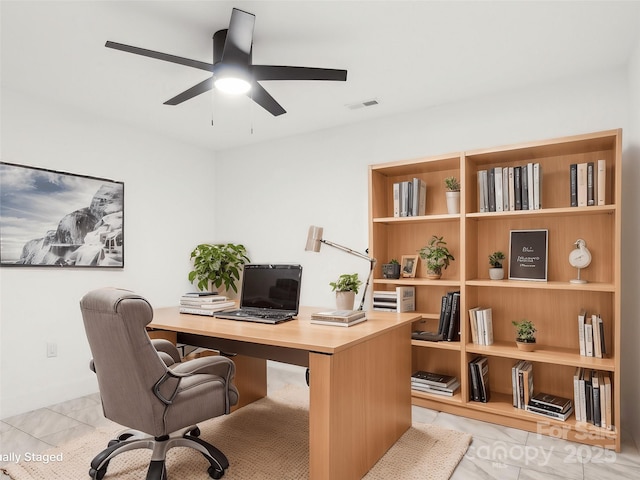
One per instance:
(314, 239)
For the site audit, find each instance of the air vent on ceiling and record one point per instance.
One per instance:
(366, 103)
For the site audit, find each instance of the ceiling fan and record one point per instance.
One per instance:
(232, 68)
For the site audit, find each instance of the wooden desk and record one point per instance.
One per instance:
(360, 394)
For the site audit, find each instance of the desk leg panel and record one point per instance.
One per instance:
(360, 404)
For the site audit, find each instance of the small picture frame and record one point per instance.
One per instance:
(528, 255)
(409, 266)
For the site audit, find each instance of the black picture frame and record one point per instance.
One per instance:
(57, 219)
(528, 255)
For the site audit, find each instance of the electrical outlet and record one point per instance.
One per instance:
(52, 350)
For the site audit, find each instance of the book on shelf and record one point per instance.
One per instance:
(209, 310)
(402, 299)
(502, 189)
(454, 322)
(582, 184)
(409, 198)
(339, 316)
(601, 178)
(548, 413)
(433, 379)
(573, 184)
(522, 383)
(592, 395)
(481, 325)
(551, 402)
(479, 373)
(445, 391)
(591, 335)
(449, 322)
(591, 200)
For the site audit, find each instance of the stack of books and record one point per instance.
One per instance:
(409, 198)
(522, 383)
(449, 324)
(550, 406)
(503, 189)
(339, 318)
(593, 397)
(479, 375)
(204, 303)
(481, 323)
(591, 335)
(436, 383)
(402, 299)
(587, 183)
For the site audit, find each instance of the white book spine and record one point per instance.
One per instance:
(512, 192)
(537, 187)
(396, 199)
(581, 322)
(530, 183)
(482, 206)
(582, 184)
(498, 188)
(601, 181)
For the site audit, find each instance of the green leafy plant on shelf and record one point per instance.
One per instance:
(436, 256)
(525, 331)
(495, 259)
(452, 184)
(218, 265)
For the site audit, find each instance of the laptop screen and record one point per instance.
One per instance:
(272, 287)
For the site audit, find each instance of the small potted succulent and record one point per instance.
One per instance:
(453, 194)
(391, 269)
(525, 335)
(496, 272)
(346, 288)
(436, 257)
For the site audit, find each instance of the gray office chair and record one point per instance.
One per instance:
(144, 385)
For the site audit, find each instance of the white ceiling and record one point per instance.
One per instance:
(407, 55)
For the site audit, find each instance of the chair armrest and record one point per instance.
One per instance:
(214, 365)
(168, 348)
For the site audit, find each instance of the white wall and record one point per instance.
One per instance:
(630, 242)
(321, 178)
(167, 189)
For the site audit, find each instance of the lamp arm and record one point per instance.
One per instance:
(372, 261)
(347, 249)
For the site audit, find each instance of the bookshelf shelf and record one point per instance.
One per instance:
(553, 305)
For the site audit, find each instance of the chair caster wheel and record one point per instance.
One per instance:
(215, 473)
(97, 474)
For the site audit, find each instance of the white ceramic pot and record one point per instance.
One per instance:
(453, 202)
(496, 273)
(345, 300)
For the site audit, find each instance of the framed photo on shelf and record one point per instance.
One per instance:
(409, 266)
(528, 255)
(58, 219)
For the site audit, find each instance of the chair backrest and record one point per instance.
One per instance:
(126, 363)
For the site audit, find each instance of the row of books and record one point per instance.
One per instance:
(402, 299)
(479, 376)
(504, 189)
(591, 336)
(204, 303)
(481, 323)
(409, 198)
(592, 393)
(587, 183)
(339, 318)
(550, 406)
(436, 383)
(449, 322)
(522, 383)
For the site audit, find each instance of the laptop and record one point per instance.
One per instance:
(269, 294)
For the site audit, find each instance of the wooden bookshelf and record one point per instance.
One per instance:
(552, 305)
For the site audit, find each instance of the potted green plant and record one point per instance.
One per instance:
(436, 257)
(391, 269)
(217, 265)
(346, 288)
(525, 335)
(453, 194)
(496, 272)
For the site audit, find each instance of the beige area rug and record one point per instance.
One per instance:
(267, 439)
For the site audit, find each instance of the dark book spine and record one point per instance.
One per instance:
(443, 311)
(517, 187)
(454, 325)
(524, 179)
(573, 184)
(491, 185)
(591, 199)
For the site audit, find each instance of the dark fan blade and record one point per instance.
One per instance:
(266, 101)
(161, 56)
(237, 46)
(275, 72)
(192, 92)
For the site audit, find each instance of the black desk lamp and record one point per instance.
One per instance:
(314, 241)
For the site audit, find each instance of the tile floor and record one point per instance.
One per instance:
(496, 451)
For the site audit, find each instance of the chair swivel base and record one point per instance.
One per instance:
(134, 439)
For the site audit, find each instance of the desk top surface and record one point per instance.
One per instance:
(299, 333)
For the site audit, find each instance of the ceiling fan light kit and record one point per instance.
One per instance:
(232, 69)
